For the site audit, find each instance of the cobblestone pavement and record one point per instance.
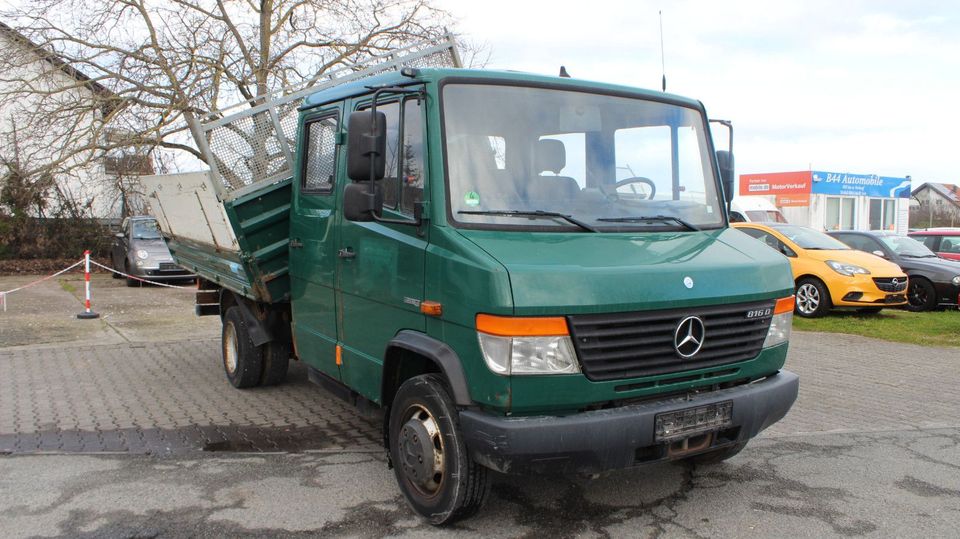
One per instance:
(168, 397)
(162, 397)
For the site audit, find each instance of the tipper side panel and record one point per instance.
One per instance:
(240, 244)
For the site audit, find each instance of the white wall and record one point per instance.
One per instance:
(86, 184)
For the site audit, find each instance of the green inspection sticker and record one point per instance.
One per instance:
(472, 199)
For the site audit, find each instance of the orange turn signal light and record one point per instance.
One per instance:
(432, 308)
(339, 355)
(522, 326)
(784, 305)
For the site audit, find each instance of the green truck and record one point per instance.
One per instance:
(521, 273)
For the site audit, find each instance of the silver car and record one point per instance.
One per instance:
(139, 250)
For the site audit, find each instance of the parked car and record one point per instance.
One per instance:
(830, 274)
(139, 250)
(933, 280)
(754, 209)
(943, 241)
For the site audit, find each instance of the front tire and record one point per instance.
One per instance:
(242, 361)
(131, 282)
(430, 460)
(813, 298)
(921, 296)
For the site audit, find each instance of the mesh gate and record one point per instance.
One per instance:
(255, 145)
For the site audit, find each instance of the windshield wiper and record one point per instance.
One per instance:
(532, 213)
(649, 218)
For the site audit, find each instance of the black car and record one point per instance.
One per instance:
(933, 280)
(139, 250)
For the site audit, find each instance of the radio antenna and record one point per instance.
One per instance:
(663, 63)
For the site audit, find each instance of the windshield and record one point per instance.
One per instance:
(569, 160)
(808, 238)
(908, 247)
(145, 229)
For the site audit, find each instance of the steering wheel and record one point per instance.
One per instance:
(637, 179)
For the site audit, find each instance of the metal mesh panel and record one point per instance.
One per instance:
(245, 148)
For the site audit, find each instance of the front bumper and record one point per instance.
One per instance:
(600, 440)
(861, 291)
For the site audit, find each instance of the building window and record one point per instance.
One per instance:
(882, 213)
(841, 213)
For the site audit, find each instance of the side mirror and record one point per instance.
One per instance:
(725, 161)
(359, 204)
(366, 145)
(879, 253)
(119, 235)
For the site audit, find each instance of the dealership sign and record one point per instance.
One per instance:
(775, 183)
(869, 185)
(794, 188)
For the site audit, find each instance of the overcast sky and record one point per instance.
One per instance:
(866, 87)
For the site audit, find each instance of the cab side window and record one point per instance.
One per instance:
(320, 168)
(402, 184)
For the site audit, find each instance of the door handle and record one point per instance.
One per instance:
(346, 252)
(295, 243)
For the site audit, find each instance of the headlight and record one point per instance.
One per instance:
(143, 254)
(781, 323)
(514, 345)
(846, 269)
(956, 281)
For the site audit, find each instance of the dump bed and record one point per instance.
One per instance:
(240, 244)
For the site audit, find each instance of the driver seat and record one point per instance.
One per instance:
(550, 156)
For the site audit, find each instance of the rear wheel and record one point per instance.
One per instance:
(276, 360)
(433, 469)
(813, 298)
(921, 295)
(242, 361)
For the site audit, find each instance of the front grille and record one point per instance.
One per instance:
(885, 284)
(627, 345)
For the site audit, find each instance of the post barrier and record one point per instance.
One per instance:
(87, 313)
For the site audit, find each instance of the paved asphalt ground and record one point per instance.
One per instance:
(126, 427)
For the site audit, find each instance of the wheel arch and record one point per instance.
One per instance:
(411, 353)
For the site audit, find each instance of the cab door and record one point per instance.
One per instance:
(381, 266)
(313, 240)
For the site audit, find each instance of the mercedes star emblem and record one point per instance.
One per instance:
(688, 338)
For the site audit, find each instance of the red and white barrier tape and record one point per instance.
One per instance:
(4, 293)
(134, 277)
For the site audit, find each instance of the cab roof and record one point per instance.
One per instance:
(432, 75)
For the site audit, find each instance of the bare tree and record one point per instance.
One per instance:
(150, 65)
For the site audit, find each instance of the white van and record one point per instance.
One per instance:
(754, 209)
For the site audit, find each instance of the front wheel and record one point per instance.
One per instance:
(430, 460)
(921, 295)
(813, 298)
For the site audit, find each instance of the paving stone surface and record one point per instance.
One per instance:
(162, 397)
(172, 397)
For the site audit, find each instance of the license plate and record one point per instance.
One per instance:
(681, 424)
(895, 298)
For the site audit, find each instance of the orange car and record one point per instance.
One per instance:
(830, 274)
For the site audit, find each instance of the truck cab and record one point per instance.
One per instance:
(521, 273)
